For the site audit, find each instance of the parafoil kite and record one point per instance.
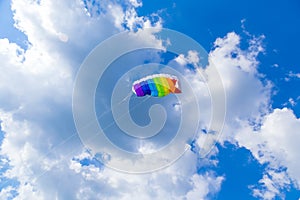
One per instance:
(157, 85)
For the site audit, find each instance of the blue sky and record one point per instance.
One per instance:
(8, 30)
(254, 47)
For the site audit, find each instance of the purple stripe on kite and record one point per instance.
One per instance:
(139, 92)
(138, 89)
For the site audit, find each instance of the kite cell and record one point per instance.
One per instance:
(157, 85)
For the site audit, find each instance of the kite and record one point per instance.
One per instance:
(156, 85)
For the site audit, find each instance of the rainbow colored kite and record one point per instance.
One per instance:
(157, 85)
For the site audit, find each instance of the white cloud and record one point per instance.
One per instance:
(270, 185)
(81, 27)
(191, 58)
(295, 75)
(34, 157)
(200, 192)
(248, 101)
(247, 97)
(292, 75)
(292, 102)
(179, 181)
(271, 137)
(136, 3)
(181, 59)
(146, 148)
(276, 144)
(232, 54)
(6, 193)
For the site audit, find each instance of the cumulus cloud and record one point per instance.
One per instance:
(6, 193)
(271, 136)
(191, 58)
(36, 87)
(275, 144)
(179, 181)
(247, 96)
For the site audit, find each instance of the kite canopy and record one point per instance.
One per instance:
(157, 85)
